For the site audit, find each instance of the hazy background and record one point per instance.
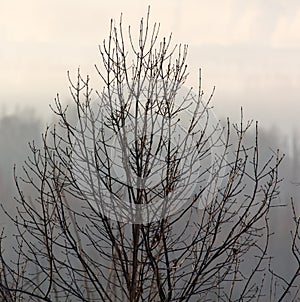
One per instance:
(249, 50)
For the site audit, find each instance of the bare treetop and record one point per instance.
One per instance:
(145, 196)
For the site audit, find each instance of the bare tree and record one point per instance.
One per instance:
(144, 196)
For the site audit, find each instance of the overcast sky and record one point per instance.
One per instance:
(249, 50)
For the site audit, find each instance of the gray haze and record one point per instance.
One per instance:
(249, 50)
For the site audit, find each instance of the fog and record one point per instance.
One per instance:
(248, 50)
(22, 127)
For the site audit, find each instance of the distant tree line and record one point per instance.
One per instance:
(144, 196)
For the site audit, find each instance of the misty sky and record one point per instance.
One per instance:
(249, 50)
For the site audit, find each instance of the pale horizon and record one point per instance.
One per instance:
(248, 50)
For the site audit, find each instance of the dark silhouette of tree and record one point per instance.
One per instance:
(145, 197)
